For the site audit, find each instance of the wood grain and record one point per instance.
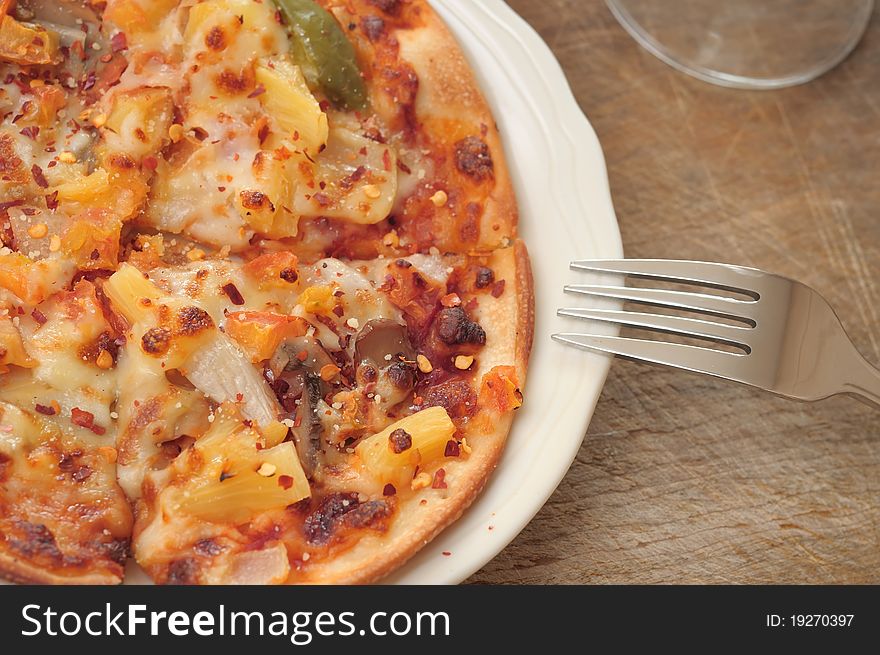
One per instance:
(683, 479)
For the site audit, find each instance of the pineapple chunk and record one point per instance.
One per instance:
(357, 177)
(429, 429)
(263, 207)
(27, 44)
(235, 481)
(139, 121)
(127, 288)
(260, 333)
(233, 30)
(119, 192)
(288, 99)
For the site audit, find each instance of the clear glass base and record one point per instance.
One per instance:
(748, 44)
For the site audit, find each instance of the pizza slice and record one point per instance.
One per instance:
(63, 518)
(286, 422)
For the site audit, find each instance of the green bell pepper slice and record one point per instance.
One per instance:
(323, 52)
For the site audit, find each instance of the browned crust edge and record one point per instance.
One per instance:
(23, 572)
(390, 551)
(450, 88)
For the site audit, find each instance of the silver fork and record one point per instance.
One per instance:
(789, 341)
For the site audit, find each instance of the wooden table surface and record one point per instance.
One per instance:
(683, 479)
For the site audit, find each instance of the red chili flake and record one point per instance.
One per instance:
(10, 78)
(322, 199)
(151, 163)
(296, 135)
(263, 133)
(453, 449)
(389, 490)
(239, 397)
(260, 90)
(324, 105)
(234, 294)
(285, 481)
(338, 310)
(200, 133)
(498, 289)
(302, 355)
(90, 81)
(439, 480)
(31, 132)
(79, 50)
(450, 300)
(39, 316)
(446, 553)
(119, 42)
(221, 189)
(38, 42)
(39, 178)
(48, 410)
(386, 160)
(52, 201)
(86, 420)
(9, 204)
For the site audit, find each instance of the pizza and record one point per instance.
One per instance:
(264, 314)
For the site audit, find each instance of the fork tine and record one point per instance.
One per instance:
(742, 310)
(717, 276)
(691, 358)
(691, 327)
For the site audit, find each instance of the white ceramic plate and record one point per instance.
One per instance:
(565, 214)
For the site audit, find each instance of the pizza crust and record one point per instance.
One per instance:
(23, 572)
(449, 94)
(509, 325)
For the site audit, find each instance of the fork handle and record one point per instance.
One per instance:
(864, 383)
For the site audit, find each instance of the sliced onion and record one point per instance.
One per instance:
(222, 371)
(260, 567)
